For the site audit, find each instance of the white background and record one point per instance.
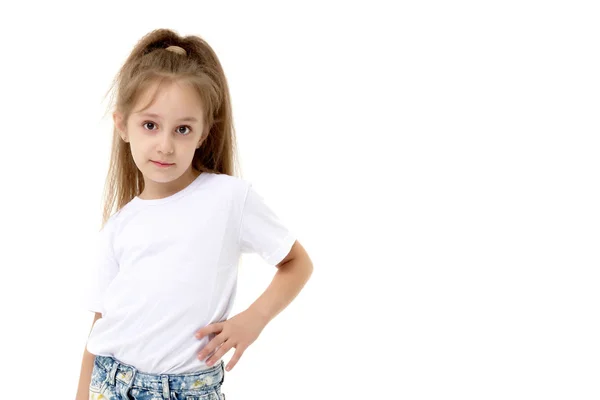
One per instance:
(437, 160)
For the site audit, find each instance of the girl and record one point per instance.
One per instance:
(164, 279)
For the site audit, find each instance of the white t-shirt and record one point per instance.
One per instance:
(167, 267)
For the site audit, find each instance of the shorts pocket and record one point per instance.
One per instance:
(212, 395)
(99, 379)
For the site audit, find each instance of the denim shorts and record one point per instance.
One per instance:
(115, 380)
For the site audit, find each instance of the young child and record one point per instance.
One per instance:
(164, 279)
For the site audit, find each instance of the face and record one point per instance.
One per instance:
(164, 136)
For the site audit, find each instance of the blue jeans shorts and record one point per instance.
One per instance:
(115, 380)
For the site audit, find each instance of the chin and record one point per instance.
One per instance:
(162, 178)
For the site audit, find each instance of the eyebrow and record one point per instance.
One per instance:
(191, 119)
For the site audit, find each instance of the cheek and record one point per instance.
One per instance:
(190, 153)
(138, 152)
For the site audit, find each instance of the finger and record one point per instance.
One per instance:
(211, 346)
(220, 353)
(236, 356)
(212, 328)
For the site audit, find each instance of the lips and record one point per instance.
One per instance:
(162, 163)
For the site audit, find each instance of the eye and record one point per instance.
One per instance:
(185, 126)
(148, 122)
(182, 126)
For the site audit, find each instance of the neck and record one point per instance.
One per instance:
(155, 190)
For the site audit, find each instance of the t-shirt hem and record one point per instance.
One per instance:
(95, 308)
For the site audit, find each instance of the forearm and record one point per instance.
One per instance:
(87, 365)
(288, 281)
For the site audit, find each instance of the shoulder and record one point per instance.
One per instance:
(113, 221)
(236, 185)
(228, 179)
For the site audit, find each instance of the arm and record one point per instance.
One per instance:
(87, 365)
(292, 274)
(243, 329)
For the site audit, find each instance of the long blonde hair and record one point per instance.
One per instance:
(192, 60)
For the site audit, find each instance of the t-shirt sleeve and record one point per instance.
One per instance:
(104, 268)
(262, 232)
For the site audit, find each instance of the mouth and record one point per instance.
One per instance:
(160, 164)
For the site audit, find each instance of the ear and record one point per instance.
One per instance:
(118, 120)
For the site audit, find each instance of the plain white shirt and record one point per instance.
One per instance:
(167, 267)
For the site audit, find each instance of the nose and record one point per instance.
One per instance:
(165, 144)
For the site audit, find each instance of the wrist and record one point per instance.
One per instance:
(260, 314)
